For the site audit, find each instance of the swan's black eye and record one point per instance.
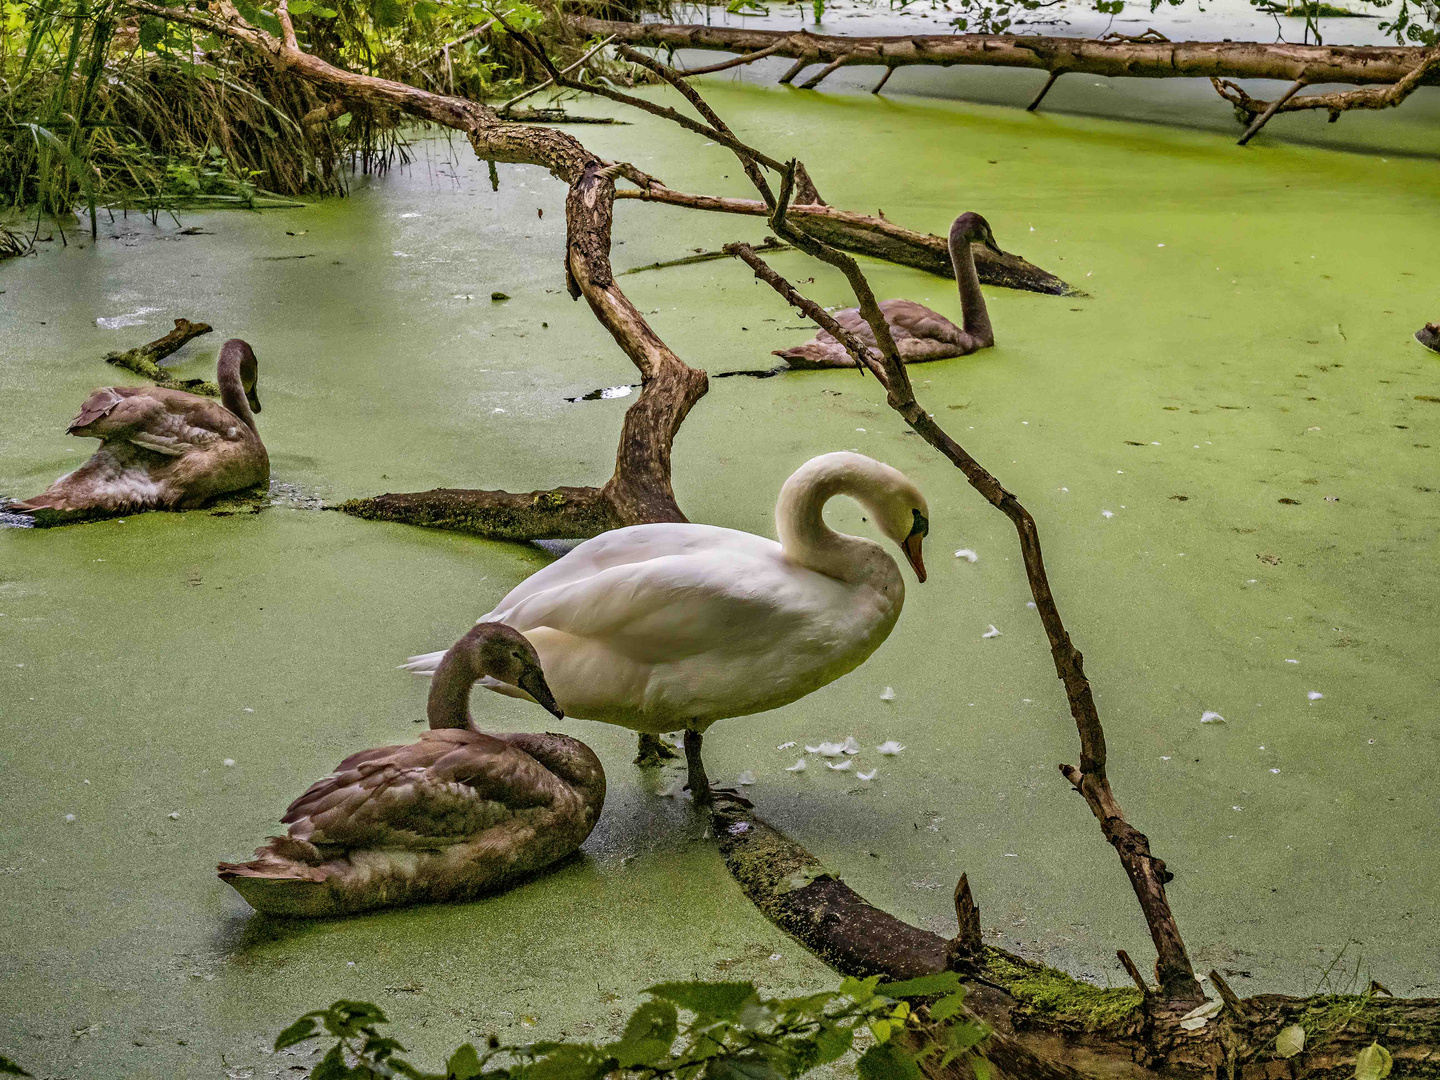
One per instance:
(921, 526)
(516, 655)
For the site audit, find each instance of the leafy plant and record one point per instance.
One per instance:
(692, 1031)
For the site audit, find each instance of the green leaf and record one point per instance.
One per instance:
(464, 1064)
(332, 1066)
(9, 1068)
(742, 1067)
(859, 990)
(886, 1061)
(389, 13)
(653, 1020)
(152, 32)
(720, 1000)
(1373, 1063)
(567, 1061)
(299, 1031)
(1289, 1041)
(947, 1006)
(426, 9)
(980, 1067)
(832, 1042)
(942, 982)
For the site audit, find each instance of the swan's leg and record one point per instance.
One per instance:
(652, 751)
(698, 784)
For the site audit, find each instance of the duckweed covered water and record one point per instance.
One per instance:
(1225, 446)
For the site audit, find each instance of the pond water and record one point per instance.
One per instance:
(1226, 445)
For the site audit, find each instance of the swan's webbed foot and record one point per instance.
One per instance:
(730, 795)
(652, 751)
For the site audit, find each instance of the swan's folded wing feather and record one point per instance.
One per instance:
(668, 608)
(98, 404)
(447, 787)
(622, 547)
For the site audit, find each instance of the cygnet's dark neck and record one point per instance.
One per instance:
(972, 300)
(449, 703)
(231, 382)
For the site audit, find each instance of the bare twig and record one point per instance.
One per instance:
(550, 82)
(883, 80)
(748, 58)
(1035, 104)
(1369, 97)
(1264, 118)
(815, 80)
(1133, 972)
(469, 35)
(770, 244)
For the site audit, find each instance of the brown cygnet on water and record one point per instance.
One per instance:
(162, 449)
(454, 815)
(1429, 336)
(920, 334)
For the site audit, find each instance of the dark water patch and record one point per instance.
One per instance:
(753, 373)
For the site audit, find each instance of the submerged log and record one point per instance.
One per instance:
(1356, 64)
(145, 360)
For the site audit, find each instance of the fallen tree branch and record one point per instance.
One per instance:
(1354, 64)
(1047, 1025)
(1257, 113)
(145, 360)
(873, 237)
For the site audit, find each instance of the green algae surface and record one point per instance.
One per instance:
(1226, 445)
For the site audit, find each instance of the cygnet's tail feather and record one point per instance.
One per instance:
(278, 884)
(425, 664)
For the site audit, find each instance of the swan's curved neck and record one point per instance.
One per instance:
(229, 378)
(449, 704)
(972, 300)
(800, 522)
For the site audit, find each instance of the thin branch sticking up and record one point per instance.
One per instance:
(1035, 104)
(738, 61)
(1369, 97)
(550, 82)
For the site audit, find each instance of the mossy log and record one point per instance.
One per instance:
(1048, 1024)
(145, 360)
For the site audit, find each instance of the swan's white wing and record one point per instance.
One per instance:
(668, 608)
(626, 547)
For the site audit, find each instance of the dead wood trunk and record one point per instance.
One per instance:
(1355, 64)
(145, 360)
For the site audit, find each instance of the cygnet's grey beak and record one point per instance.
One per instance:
(990, 243)
(253, 399)
(534, 684)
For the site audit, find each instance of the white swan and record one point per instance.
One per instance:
(666, 626)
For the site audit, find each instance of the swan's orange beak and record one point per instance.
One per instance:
(911, 547)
